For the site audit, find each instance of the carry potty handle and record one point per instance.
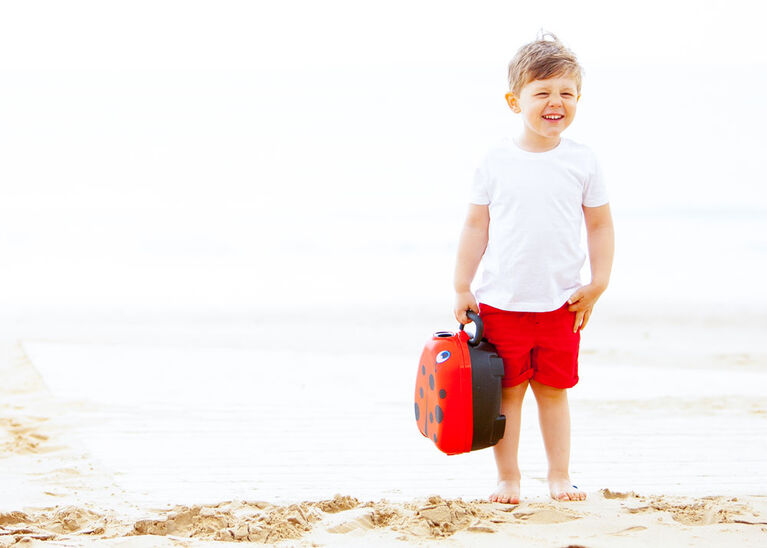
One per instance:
(486, 381)
(479, 328)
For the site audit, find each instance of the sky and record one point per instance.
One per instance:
(202, 140)
(273, 78)
(258, 35)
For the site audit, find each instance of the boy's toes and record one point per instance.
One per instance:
(564, 492)
(576, 494)
(507, 492)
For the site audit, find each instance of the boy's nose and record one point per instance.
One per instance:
(555, 99)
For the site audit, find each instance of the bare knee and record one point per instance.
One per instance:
(514, 393)
(544, 392)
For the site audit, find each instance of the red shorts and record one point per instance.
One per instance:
(534, 345)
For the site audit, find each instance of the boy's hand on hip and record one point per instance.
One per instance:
(582, 303)
(464, 301)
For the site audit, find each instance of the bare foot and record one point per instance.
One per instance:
(507, 492)
(563, 490)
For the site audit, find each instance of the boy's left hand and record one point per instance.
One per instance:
(582, 303)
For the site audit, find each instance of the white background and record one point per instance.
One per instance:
(303, 154)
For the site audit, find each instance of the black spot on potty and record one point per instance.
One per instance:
(431, 417)
(435, 438)
(417, 412)
(431, 382)
(422, 391)
(443, 393)
(439, 414)
(423, 370)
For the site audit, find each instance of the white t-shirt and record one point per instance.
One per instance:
(534, 255)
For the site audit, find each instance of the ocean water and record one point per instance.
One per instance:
(189, 259)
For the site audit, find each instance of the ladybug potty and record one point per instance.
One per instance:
(458, 391)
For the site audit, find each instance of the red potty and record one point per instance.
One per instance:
(458, 391)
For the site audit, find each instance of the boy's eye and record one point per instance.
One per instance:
(541, 94)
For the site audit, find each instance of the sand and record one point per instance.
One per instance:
(608, 519)
(195, 469)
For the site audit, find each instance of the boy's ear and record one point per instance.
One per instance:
(511, 99)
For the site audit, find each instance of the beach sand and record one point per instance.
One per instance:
(195, 432)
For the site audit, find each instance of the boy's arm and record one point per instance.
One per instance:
(601, 238)
(471, 247)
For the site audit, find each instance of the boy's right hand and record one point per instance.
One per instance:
(464, 301)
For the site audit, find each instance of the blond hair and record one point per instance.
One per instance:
(542, 59)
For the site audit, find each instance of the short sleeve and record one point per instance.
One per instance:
(480, 194)
(595, 190)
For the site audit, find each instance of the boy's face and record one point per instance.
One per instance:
(547, 106)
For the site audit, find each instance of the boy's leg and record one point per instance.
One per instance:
(506, 449)
(554, 417)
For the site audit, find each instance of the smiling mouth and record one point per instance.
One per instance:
(553, 117)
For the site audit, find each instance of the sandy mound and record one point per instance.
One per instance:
(234, 522)
(344, 519)
(706, 511)
(244, 521)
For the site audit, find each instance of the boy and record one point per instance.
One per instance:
(528, 201)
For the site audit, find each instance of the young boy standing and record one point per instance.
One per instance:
(529, 199)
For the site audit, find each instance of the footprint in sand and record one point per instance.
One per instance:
(545, 516)
(362, 522)
(364, 518)
(22, 438)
